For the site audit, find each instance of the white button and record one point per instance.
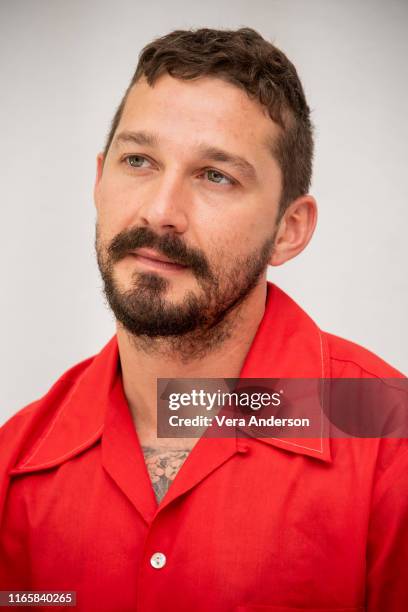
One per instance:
(158, 560)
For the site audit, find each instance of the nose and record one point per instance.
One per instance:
(164, 205)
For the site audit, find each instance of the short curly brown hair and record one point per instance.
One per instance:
(241, 57)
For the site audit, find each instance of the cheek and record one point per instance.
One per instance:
(112, 215)
(237, 236)
(224, 249)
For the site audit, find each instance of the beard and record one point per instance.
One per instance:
(200, 319)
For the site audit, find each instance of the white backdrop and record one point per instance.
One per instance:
(64, 68)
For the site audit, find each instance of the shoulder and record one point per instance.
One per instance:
(30, 421)
(348, 359)
(66, 420)
(29, 429)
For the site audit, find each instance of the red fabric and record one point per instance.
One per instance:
(247, 525)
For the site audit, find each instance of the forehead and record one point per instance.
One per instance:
(206, 108)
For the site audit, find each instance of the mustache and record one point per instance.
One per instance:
(169, 245)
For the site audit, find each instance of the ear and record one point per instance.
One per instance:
(99, 169)
(295, 230)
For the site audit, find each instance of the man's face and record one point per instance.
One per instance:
(187, 202)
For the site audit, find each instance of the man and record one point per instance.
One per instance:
(203, 183)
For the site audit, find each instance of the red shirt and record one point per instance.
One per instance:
(249, 525)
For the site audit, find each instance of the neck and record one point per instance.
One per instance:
(143, 361)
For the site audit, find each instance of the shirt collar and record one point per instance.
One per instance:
(79, 420)
(288, 344)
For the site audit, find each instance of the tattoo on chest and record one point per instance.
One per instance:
(163, 465)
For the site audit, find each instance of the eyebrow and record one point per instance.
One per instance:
(140, 138)
(207, 152)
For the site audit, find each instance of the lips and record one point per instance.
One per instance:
(151, 256)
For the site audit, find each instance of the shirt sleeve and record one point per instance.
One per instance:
(14, 563)
(13, 535)
(387, 550)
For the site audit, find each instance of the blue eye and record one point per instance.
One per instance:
(217, 177)
(136, 161)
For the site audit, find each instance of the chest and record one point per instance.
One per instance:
(250, 525)
(163, 464)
